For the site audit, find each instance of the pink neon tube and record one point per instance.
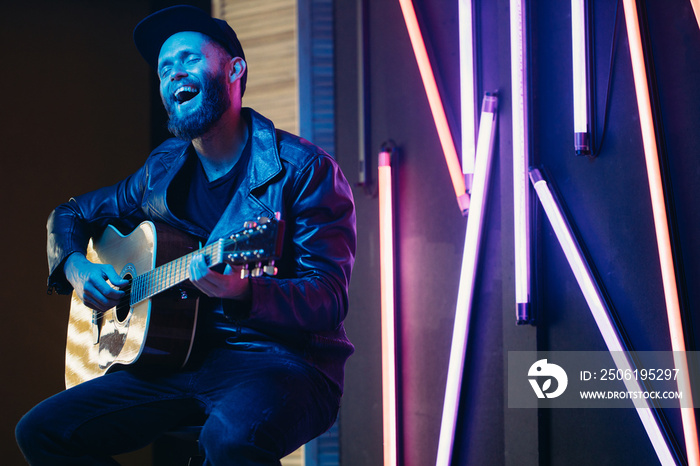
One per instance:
(696, 10)
(663, 240)
(443, 129)
(386, 245)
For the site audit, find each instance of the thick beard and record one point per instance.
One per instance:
(215, 101)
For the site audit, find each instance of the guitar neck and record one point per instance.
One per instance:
(253, 244)
(171, 274)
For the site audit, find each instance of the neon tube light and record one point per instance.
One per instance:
(472, 240)
(436, 107)
(386, 242)
(467, 89)
(696, 10)
(521, 193)
(601, 314)
(582, 139)
(658, 205)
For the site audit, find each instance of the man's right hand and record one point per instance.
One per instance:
(97, 285)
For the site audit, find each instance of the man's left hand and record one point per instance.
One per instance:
(228, 284)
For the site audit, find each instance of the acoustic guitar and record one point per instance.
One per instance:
(155, 323)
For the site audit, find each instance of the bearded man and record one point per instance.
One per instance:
(265, 371)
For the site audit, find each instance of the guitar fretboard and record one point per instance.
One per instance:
(155, 281)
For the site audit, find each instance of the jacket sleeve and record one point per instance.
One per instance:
(71, 225)
(314, 296)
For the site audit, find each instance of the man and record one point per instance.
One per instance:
(266, 374)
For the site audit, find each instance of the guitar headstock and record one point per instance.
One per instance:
(259, 243)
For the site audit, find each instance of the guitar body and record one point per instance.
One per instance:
(157, 331)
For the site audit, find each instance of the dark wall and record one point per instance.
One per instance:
(75, 116)
(429, 240)
(607, 197)
(609, 202)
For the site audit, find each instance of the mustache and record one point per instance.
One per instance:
(196, 122)
(170, 100)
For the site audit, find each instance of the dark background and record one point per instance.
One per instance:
(79, 112)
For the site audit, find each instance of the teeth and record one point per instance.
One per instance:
(185, 89)
(185, 93)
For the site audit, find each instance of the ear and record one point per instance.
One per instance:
(237, 67)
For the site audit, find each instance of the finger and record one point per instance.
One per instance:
(196, 269)
(102, 294)
(95, 299)
(199, 275)
(233, 270)
(104, 288)
(113, 277)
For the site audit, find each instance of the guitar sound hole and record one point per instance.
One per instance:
(121, 312)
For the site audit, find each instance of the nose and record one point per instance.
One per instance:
(174, 72)
(177, 74)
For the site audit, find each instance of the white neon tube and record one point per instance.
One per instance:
(472, 241)
(386, 244)
(663, 238)
(467, 90)
(580, 77)
(521, 193)
(599, 310)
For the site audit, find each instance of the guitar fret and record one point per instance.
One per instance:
(174, 272)
(84, 360)
(166, 276)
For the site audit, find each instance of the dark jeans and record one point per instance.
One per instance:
(257, 406)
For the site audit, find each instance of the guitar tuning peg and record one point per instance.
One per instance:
(245, 273)
(263, 220)
(270, 268)
(257, 271)
(249, 224)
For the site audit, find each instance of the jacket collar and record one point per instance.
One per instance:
(263, 166)
(265, 161)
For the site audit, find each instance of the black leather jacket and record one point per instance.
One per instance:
(305, 304)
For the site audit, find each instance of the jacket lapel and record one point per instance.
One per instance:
(157, 201)
(263, 166)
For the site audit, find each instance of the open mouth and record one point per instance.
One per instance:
(185, 93)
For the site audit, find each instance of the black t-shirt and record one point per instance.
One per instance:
(194, 198)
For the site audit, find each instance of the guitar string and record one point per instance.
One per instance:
(149, 283)
(159, 279)
(150, 287)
